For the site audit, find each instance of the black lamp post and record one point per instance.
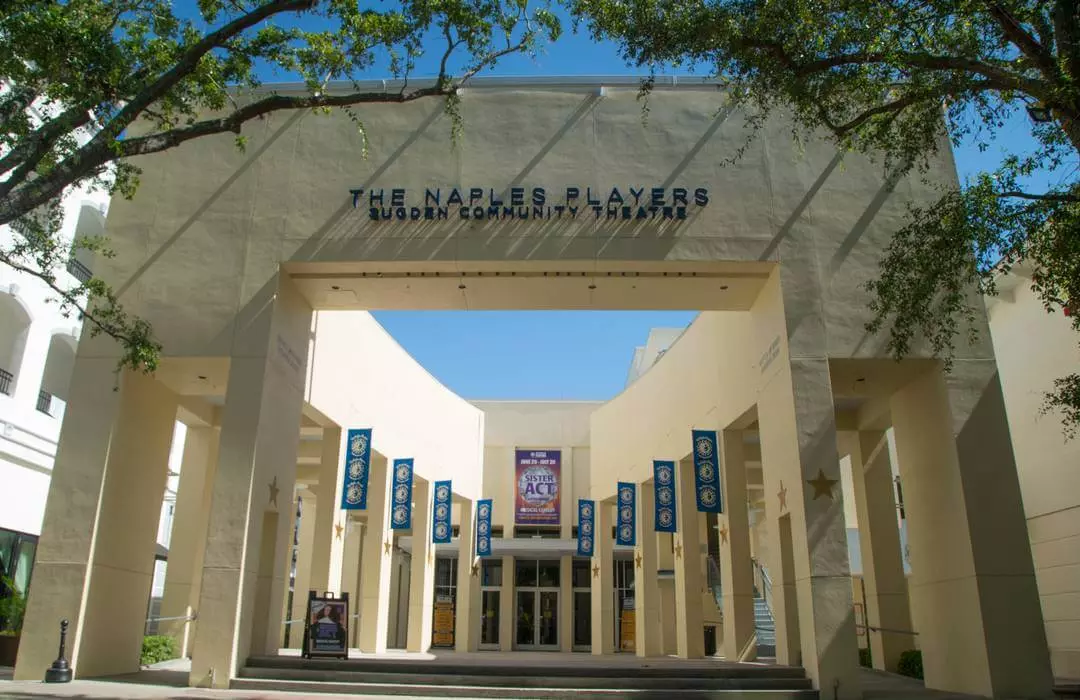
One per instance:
(60, 671)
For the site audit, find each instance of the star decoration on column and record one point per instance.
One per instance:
(723, 534)
(273, 491)
(475, 569)
(822, 485)
(782, 495)
(678, 550)
(337, 530)
(637, 560)
(386, 547)
(596, 571)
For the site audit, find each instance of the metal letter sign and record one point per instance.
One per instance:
(483, 528)
(401, 511)
(664, 478)
(357, 463)
(624, 533)
(586, 527)
(706, 472)
(440, 524)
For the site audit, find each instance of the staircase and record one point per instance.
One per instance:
(765, 627)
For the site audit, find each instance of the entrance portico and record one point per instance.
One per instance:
(773, 254)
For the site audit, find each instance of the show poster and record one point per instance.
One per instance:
(326, 633)
(536, 487)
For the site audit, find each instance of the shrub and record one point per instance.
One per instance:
(864, 658)
(157, 648)
(911, 664)
(12, 608)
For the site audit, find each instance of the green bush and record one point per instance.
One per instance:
(156, 649)
(12, 608)
(911, 664)
(864, 658)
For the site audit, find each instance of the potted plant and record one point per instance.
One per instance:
(12, 609)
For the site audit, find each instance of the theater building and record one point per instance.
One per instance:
(720, 464)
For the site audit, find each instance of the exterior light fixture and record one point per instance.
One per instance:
(461, 286)
(1040, 113)
(723, 288)
(335, 287)
(592, 286)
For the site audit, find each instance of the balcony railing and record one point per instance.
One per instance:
(6, 380)
(44, 402)
(79, 271)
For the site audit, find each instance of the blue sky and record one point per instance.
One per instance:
(569, 355)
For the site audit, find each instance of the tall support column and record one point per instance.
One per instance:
(973, 590)
(422, 571)
(507, 605)
(350, 573)
(805, 509)
(887, 607)
(187, 544)
(328, 542)
(603, 585)
(566, 602)
(689, 625)
(665, 557)
(378, 559)
(250, 529)
(302, 582)
(287, 568)
(736, 569)
(467, 607)
(95, 558)
(648, 630)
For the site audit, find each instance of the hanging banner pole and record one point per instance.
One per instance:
(664, 479)
(401, 512)
(627, 497)
(440, 522)
(483, 527)
(707, 472)
(357, 467)
(586, 529)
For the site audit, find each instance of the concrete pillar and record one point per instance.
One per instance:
(287, 568)
(378, 558)
(187, 544)
(649, 634)
(250, 527)
(508, 607)
(95, 560)
(879, 543)
(736, 569)
(302, 582)
(350, 573)
(566, 601)
(689, 629)
(422, 571)
(328, 542)
(973, 591)
(603, 595)
(665, 557)
(467, 607)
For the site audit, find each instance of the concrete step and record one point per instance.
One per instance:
(530, 693)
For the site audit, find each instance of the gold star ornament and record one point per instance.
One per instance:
(337, 530)
(386, 547)
(637, 560)
(273, 491)
(723, 534)
(595, 571)
(822, 485)
(782, 495)
(678, 550)
(475, 569)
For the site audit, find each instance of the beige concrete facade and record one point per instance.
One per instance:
(256, 269)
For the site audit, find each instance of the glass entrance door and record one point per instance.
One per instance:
(537, 625)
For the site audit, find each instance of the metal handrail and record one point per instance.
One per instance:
(766, 585)
(192, 616)
(715, 581)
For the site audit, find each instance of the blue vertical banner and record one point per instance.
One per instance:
(357, 467)
(664, 481)
(483, 527)
(586, 527)
(440, 522)
(401, 493)
(707, 472)
(627, 497)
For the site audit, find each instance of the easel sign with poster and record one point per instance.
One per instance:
(326, 627)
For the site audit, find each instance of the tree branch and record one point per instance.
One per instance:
(1048, 197)
(1023, 40)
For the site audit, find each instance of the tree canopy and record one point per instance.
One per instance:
(77, 75)
(885, 78)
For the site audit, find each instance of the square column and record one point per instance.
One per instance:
(249, 537)
(879, 544)
(287, 567)
(736, 568)
(603, 584)
(327, 541)
(302, 583)
(422, 571)
(507, 606)
(689, 624)
(467, 607)
(648, 632)
(95, 560)
(566, 602)
(813, 603)
(973, 591)
(378, 557)
(351, 564)
(665, 557)
(187, 544)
